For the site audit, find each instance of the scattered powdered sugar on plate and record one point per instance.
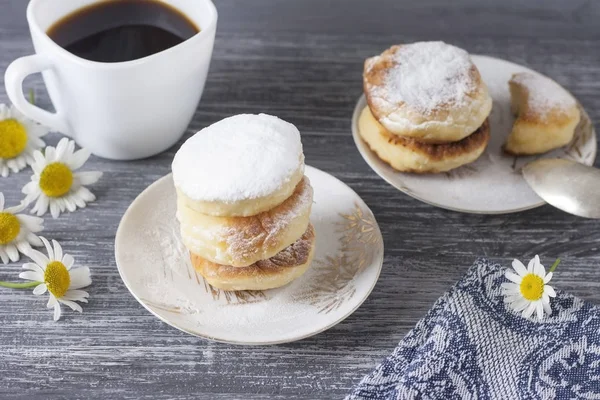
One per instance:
(544, 94)
(427, 75)
(242, 157)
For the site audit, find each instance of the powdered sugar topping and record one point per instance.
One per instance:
(242, 240)
(428, 75)
(544, 94)
(242, 157)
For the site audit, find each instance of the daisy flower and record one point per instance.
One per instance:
(19, 138)
(17, 231)
(528, 290)
(55, 275)
(54, 183)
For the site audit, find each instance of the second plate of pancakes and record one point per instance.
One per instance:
(493, 184)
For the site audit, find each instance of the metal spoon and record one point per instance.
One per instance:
(567, 185)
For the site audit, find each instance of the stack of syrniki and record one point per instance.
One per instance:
(243, 203)
(427, 108)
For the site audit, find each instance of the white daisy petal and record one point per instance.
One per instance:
(531, 265)
(549, 290)
(54, 209)
(24, 247)
(50, 154)
(80, 277)
(78, 201)
(60, 202)
(39, 159)
(39, 258)
(62, 148)
(63, 203)
(34, 239)
(539, 308)
(74, 306)
(29, 188)
(58, 252)
(48, 247)
(12, 252)
(79, 158)
(57, 311)
(37, 167)
(21, 162)
(68, 261)
(88, 177)
(511, 276)
(38, 142)
(32, 223)
(521, 304)
(528, 312)
(1, 201)
(76, 295)
(32, 276)
(511, 299)
(51, 301)
(509, 285)
(70, 150)
(547, 308)
(85, 194)
(548, 277)
(3, 255)
(33, 267)
(40, 289)
(538, 267)
(16, 209)
(41, 205)
(71, 206)
(512, 291)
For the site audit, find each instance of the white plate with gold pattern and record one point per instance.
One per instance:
(156, 269)
(493, 184)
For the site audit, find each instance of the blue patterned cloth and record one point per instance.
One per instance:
(471, 346)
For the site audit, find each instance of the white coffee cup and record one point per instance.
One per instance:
(125, 110)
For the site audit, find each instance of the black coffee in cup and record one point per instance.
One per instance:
(122, 30)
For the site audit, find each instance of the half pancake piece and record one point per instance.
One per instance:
(547, 115)
(279, 270)
(409, 155)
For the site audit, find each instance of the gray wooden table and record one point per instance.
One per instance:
(300, 60)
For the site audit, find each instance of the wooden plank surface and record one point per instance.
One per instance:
(300, 60)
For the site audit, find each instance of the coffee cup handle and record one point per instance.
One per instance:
(15, 74)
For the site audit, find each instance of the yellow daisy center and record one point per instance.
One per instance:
(532, 287)
(9, 227)
(57, 278)
(56, 179)
(13, 138)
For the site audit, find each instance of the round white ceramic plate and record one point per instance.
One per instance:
(156, 269)
(493, 184)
